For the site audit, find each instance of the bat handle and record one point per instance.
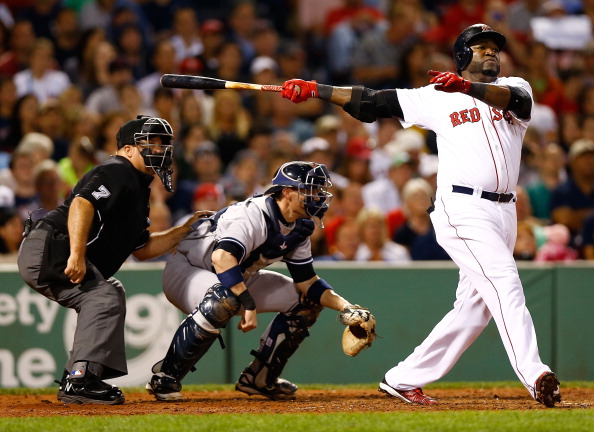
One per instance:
(272, 88)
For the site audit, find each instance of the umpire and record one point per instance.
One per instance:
(70, 255)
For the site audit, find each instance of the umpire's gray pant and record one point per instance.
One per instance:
(99, 303)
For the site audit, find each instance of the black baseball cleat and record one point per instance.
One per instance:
(61, 385)
(280, 390)
(546, 389)
(89, 390)
(164, 387)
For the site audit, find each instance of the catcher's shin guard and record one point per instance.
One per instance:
(189, 344)
(280, 341)
(192, 340)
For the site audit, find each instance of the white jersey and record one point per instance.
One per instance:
(478, 145)
(245, 225)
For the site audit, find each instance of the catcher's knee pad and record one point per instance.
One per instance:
(189, 344)
(280, 341)
(218, 306)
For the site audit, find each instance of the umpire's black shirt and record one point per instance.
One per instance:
(120, 194)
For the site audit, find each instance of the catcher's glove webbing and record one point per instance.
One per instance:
(360, 331)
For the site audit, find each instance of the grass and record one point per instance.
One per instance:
(458, 421)
(455, 421)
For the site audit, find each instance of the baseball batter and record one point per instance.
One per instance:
(480, 120)
(218, 271)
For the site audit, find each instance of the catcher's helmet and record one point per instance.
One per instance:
(311, 180)
(462, 51)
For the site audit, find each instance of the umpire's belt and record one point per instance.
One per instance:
(491, 196)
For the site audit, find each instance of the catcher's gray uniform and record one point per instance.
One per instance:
(188, 273)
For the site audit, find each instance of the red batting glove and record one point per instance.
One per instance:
(449, 82)
(298, 90)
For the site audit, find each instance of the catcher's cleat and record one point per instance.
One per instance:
(415, 396)
(90, 390)
(164, 387)
(280, 390)
(546, 389)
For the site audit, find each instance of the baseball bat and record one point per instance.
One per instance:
(207, 83)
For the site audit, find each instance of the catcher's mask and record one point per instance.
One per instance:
(462, 50)
(158, 156)
(311, 180)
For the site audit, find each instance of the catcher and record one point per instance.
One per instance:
(218, 271)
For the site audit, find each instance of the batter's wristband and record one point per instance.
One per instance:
(247, 301)
(230, 278)
(315, 291)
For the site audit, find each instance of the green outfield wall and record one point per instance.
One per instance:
(408, 300)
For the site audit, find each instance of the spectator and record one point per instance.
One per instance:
(377, 57)
(40, 78)
(207, 196)
(51, 122)
(385, 193)
(213, 36)
(11, 231)
(21, 42)
(230, 124)
(551, 173)
(285, 118)
(39, 146)
(106, 144)
(417, 233)
(525, 247)
(80, 160)
(355, 166)
(242, 25)
(95, 56)
(186, 34)
(107, 98)
(163, 60)
(375, 243)
(346, 34)
(573, 200)
(66, 35)
(244, 176)
(49, 189)
(19, 177)
(131, 48)
(318, 150)
(229, 63)
(348, 203)
(8, 99)
(556, 247)
(347, 243)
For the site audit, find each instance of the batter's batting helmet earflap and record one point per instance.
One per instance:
(462, 51)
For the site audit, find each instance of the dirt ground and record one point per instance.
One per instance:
(308, 401)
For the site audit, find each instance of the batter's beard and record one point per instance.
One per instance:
(477, 68)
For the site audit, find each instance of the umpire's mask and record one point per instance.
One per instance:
(157, 155)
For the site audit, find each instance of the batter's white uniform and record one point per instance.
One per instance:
(189, 272)
(479, 147)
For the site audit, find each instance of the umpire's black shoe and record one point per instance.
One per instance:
(62, 385)
(90, 390)
(280, 390)
(164, 387)
(546, 389)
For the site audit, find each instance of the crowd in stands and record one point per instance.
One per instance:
(73, 71)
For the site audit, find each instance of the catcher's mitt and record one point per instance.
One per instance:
(360, 331)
